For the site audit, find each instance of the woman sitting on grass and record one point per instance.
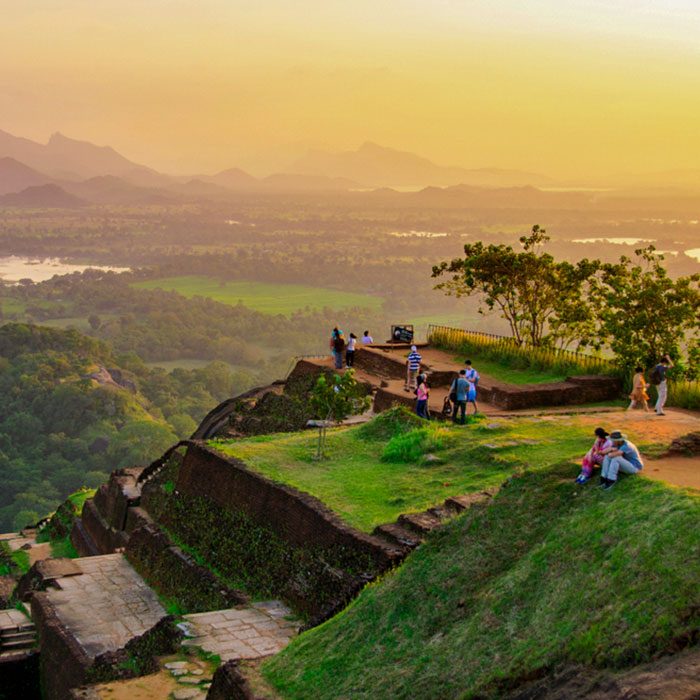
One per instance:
(595, 455)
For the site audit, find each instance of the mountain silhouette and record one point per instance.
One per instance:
(377, 166)
(68, 159)
(42, 196)
(16, 176)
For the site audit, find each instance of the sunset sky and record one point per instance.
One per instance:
(563, 87)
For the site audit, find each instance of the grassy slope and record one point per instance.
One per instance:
(547, 574)
(366, 491)
(263, 297)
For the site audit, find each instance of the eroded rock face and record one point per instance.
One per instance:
(685, 446)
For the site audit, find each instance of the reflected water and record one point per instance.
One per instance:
(13, 268)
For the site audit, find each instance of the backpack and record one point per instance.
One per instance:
(473, 374)
(656, 377)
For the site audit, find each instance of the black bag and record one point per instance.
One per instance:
(656, 377)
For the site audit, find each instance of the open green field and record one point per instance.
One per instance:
(261, 296)
(546, 577)
(373, 473)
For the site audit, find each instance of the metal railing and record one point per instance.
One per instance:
(504, 347)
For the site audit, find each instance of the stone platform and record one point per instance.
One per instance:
(243, 633)
(106, 605)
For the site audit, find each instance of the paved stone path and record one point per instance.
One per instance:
(106, 605)
(243, 633)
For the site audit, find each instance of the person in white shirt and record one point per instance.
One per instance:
(367, 338)
(350, 350)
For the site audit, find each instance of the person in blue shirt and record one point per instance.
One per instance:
(472, 376)
(459, 393)
(624, 458)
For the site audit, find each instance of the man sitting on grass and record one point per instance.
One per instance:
(623, 458)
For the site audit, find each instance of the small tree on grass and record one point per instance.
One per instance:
(335, 398)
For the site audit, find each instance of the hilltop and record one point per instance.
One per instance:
(73, 411)
(412, 559)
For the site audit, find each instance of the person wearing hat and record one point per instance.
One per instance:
(595, 455)
(624, 457)
(412, 368)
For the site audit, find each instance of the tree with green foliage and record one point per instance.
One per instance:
(644, 314)
(334, 399)
(541, 299)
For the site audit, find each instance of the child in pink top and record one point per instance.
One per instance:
(595, 455)
(422, 394)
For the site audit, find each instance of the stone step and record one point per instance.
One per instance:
(16, 645)
(15, 636)
(404, 538)
(21, 629)
(441, 512)
(422, 523)
(459, 504)
(8, 633)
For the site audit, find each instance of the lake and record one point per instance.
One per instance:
(13, 268)
(618, 241)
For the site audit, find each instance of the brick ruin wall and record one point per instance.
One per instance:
(297, 517)
(341, 559)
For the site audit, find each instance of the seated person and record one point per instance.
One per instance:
(595, 455)
(624, 458)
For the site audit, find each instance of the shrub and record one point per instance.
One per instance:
(411, 446)
(395, 421)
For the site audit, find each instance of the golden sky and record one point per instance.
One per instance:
(571, 88)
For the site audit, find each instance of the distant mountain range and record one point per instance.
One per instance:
(69, 173)
(377, 166)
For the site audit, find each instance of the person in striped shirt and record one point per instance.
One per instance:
(412, 368)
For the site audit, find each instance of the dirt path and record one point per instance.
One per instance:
(662, 430)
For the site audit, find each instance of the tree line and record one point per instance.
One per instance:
(631, 308)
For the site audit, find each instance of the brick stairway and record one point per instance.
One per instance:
(410, 529)
(17, 633)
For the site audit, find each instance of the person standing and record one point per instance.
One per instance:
(422, 396)
(658, 377)
(639, 396)
(459, 391)
(624, 458)
(367, 338)
(350, 352)
(412, 368)
(472, 376)
(338, 347)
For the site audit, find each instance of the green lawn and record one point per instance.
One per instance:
(263, 297)
(367, 490)
(548, 575)
(513, 376)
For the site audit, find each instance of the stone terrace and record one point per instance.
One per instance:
(243, 633)
(105, 605)
(384, 368)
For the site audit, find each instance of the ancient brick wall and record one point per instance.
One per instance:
(380, 364)
(63, 663)
(174, 573)
(297, 517)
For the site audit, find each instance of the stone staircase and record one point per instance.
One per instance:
(17, 633)
(410, 529)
